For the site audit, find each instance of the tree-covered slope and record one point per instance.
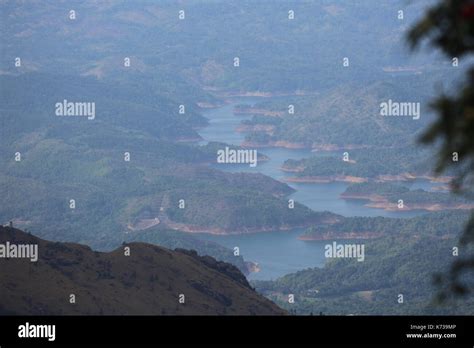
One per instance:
(402, 262)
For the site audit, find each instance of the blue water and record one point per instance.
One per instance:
(279, 253)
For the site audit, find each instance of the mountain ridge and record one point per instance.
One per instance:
(103, 283)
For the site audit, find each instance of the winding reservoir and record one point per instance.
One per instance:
(279, 253)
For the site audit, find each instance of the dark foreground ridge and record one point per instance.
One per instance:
(148, 282)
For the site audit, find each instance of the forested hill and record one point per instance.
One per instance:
(123, 169)
(404, 260)
(350, 115)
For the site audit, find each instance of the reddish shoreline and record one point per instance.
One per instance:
(358, 179)
(220, 231)
(380, 202)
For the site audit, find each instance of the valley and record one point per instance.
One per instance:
(280, 247)
(234, 143)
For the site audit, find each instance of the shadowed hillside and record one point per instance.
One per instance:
(148, 282)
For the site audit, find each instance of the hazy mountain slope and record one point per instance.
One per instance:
(276, 53)
(147, 282)
(349, 115)
(65, 158)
